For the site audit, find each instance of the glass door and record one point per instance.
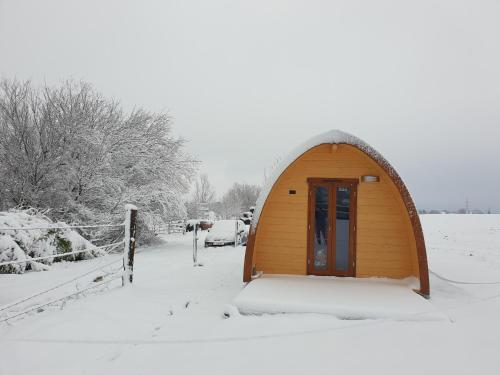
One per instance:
(331, 227)
(321, 249)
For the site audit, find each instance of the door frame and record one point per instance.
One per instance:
(332, 183)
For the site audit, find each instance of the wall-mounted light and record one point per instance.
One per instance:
(370, 178)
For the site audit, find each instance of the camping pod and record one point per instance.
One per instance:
(336, 207)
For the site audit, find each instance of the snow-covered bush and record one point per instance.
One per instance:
(10, 251)
(24, 245)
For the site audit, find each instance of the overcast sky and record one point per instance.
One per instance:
(246, 81)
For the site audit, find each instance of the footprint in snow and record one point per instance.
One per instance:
(155, 333)
(115, 356)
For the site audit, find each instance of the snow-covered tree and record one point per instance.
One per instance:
(69, 149)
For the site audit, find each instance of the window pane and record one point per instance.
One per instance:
(321, 229)
(342, 229)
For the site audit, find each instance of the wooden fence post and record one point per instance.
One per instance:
(130, 234)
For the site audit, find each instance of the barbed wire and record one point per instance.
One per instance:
(66, 227)
(60, 299)
(59, 285)
(62, 254)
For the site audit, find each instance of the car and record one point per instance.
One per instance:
(190, 224)
(226, 232)
(206, 224)
(246, 217)
(244, 237)
(202, 224)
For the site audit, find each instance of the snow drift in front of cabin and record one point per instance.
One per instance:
(20, 244)
(346, 298)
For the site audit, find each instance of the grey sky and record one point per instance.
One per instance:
(248, 80)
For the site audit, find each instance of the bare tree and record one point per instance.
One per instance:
(239, 198)
(203, 192)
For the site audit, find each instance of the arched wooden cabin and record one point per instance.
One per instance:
(336, 207)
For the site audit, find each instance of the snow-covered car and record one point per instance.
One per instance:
(190, 224)
(246, 217)
(206, 224)
(225, 232)
(244, 237)
(203, 224)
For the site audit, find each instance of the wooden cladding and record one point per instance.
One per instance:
(387, 237)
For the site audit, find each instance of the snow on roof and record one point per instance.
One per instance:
(330, 137)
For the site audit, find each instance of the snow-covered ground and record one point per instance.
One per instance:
(179, 319)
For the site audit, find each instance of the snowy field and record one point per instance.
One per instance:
(179, 319)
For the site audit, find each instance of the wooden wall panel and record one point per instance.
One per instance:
(385, 241)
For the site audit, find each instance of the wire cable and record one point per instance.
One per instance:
(59, 285)
(60, 299)
(464, 282)
(67, 227)
(61, 255)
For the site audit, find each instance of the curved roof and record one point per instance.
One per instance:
(330, 137)
(340, 137)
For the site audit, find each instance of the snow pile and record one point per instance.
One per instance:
(329, 137)
(19, 244)
(346, 298)
(10, 250)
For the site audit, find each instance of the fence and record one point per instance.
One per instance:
(125, 272)
(174, 226)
